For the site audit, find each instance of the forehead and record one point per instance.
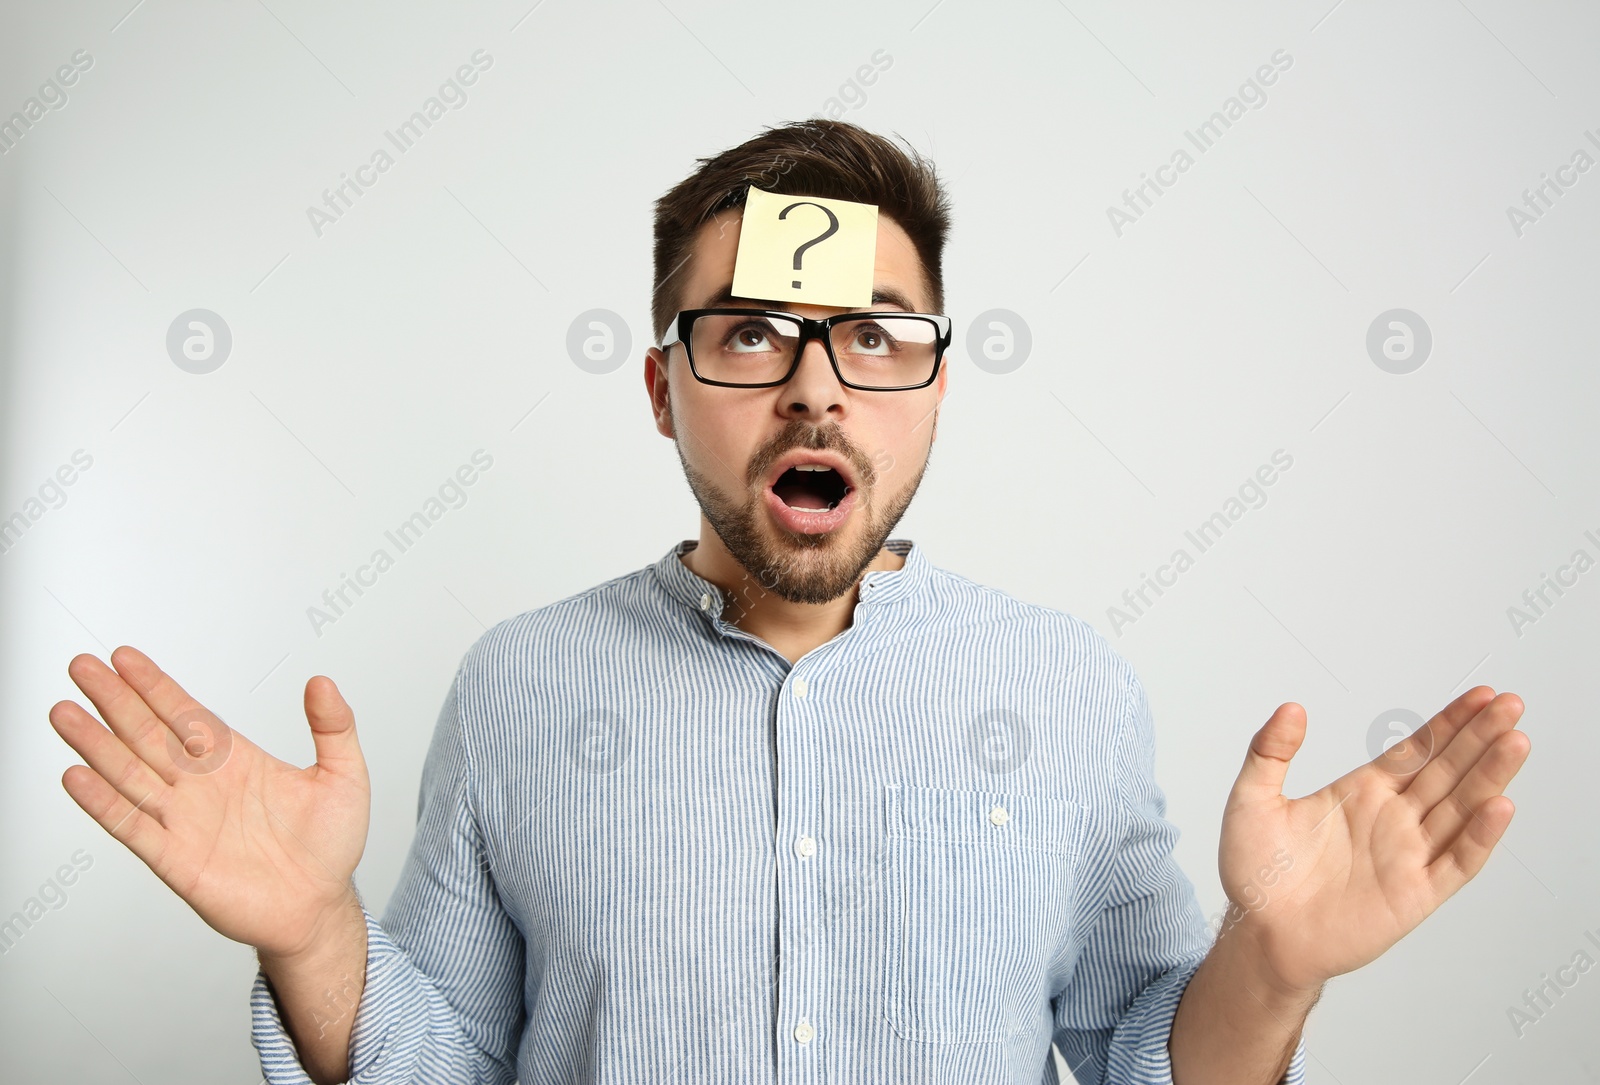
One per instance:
(710, 266)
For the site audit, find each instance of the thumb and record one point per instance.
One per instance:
(1267, 762)
(333, 727)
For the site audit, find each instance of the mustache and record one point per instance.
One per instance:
(798, 434)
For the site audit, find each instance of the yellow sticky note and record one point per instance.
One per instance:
(806, 248)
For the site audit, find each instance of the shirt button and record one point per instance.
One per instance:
(800, 687)
(705, 602)
(803, 1032)
(998, 816)
(805, 847)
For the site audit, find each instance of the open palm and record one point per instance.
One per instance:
(1326, 883)
(262, 850)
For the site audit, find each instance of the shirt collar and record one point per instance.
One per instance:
(879, 586)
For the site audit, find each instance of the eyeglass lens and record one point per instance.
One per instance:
(878, 352)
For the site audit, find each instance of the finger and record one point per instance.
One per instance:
(125, 712)
(165, 697)
(124, 820)
(1460, 862)
(1460, 712)
(108, 756)
(1488, 778)
(1266, 763)
(1434, 735)
(197, 740)
(1454, 756)
(1400, 761)
(333, 727)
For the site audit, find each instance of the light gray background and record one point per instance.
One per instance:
(1167, 365)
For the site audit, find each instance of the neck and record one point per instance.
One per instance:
(791, 628)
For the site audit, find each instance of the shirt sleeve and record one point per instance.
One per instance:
(1113, 1021)
(442, 1000)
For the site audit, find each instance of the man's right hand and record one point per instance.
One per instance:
(263, 851)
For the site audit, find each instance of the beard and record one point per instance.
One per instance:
(802, 568)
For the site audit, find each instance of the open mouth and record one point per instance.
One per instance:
(811, 487)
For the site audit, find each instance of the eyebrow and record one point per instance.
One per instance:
(886, 295)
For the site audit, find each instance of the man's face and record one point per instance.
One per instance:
(737, 445)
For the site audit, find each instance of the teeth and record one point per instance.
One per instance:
(812, 467)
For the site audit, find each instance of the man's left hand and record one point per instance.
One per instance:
(1324, 884)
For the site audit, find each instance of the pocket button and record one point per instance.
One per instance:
(999, 816)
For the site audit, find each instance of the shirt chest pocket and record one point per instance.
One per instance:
(980, 898)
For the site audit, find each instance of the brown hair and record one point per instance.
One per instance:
(816, 157)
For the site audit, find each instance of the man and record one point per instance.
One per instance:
(792, 803)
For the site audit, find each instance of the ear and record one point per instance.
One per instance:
(655, 380)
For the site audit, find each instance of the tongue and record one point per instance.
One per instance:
(797, 496)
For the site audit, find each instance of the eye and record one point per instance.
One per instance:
(871, 339)
(748, 338)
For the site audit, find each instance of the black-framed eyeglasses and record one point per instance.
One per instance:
(760, 348)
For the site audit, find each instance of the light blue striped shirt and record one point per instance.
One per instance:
(650, 850)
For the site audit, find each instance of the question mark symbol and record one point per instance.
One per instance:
(833, 228)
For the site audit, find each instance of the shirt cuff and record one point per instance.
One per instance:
(1296, 1073)
(1139, 1054)
(386, 1036)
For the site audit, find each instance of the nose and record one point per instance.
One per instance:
(814, 392)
